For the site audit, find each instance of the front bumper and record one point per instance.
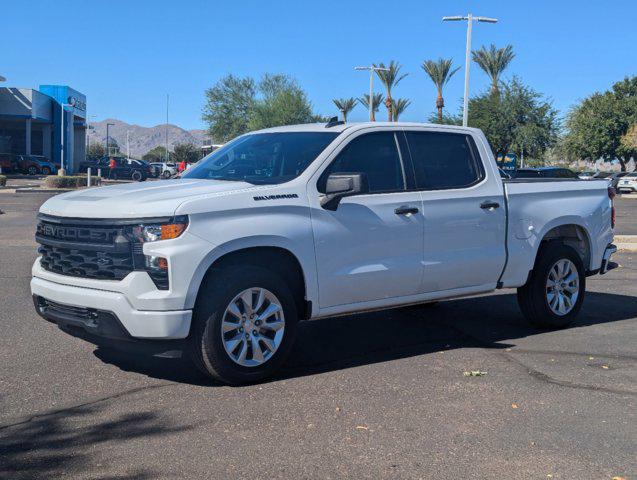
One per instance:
(142, 324)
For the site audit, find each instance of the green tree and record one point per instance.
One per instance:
(282, 102)
(599, 126)
(95, 151)
(399, 105)
(440, 73)
(376, 101)
(157, 154)
(517, 120)
(390, 78)
(493, 61)
(345, 106)
(228, 106)
(186, 152)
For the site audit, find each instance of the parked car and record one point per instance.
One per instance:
(6, 163)
(545, 172)
(167, 170)
(34, 165)
(628, 184)
(585, 175)
(137, 170)
(614, 178)
(312, 221)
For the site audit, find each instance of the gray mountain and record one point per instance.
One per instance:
(143, 139)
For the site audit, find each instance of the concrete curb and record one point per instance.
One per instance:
(626, 243)
(44, 190)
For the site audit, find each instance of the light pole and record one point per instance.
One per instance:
(372, 69)
(127, 146)
(108, 148)
(467, 60)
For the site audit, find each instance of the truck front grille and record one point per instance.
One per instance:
(78, 248)
(86, 263)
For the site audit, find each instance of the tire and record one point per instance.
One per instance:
(46, 171)
(136, 176)
(208, 347)
(166, 175)
(535, 297)
(32, 170)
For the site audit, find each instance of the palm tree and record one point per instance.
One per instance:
(390, 79)
(345, 105)
(376, 101)
(440, 73)
(493, 61)
(399, 105)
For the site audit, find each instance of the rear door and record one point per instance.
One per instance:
(463, 210)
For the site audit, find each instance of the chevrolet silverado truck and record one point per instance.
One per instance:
(310, 221)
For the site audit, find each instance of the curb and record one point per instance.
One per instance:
(43, 190)
(626, 243)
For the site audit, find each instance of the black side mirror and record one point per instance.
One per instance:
(341, 185)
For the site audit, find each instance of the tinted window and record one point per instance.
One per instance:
(527, 174)
(443, 160)
(263, 158)
(374, 154)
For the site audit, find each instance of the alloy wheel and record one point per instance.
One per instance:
(252, 327)
(562, 287)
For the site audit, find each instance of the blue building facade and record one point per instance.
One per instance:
(49, 122)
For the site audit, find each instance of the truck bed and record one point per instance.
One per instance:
(535, 206)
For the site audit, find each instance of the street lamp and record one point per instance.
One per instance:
(108, 149)
(372, 69)
(467, 61)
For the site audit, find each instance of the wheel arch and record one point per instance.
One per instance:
(574, 235)
(277, 258)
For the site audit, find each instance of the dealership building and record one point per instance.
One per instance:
(48, 122)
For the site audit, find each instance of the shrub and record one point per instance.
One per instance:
(3, 180)
(55, 181)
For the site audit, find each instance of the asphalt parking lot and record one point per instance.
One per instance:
(378, 395)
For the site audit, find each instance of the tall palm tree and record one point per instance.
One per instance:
(376, 101)
(493, 61)
(399, 105)
(390, 79)
(440, 73)
(345, 105)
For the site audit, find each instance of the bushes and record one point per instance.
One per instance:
(55, 181)
(3, 180)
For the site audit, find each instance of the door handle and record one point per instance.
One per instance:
(405, 210)
(489, 205)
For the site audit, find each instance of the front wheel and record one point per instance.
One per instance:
(46, 171)
(136, 176)
(166, 174)
(553, 294)
(244, 324)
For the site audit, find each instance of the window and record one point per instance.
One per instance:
(263, 158)
(374, 154)
(444, 160)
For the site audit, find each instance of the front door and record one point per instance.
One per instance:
(370, 248)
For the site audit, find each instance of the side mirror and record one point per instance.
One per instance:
(341, 185)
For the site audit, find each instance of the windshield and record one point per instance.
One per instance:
(263, 158)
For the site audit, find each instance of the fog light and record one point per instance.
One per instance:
(156, 263)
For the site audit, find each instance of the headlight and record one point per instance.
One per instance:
(153, 231)
(160, 231)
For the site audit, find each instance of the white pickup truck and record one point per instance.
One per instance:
(311, 221)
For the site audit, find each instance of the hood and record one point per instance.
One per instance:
(137, 200)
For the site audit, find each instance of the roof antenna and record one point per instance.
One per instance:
(333, 121)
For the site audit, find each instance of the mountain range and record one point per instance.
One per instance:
(143, 139)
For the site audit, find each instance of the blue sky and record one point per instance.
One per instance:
(126, 55)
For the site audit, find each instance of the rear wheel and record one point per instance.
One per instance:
(46, 171)
(244, 324)
(553, 294)
(32, 170)
(166, 174)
